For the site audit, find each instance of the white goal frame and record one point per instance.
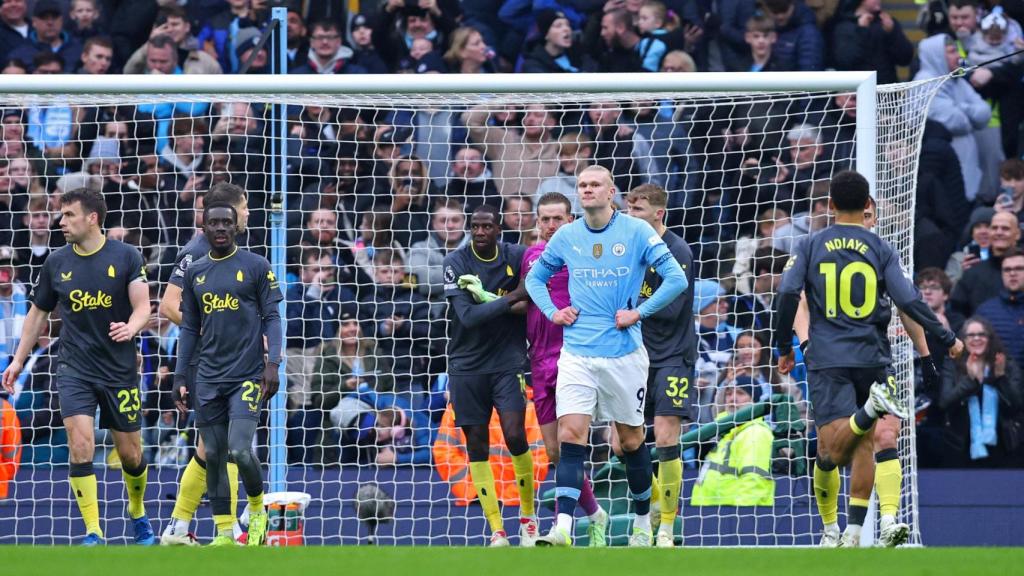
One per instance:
(268, 86)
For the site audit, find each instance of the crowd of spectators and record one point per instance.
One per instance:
(377, 197)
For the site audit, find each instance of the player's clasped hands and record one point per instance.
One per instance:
(566, 316)
(471, 283)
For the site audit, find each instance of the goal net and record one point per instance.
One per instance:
(356, 198)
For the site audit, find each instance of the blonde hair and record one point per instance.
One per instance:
(687, 60)
(598, 168)
(668, 21)
(460, 37)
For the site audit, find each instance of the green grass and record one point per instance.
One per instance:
(385, 561)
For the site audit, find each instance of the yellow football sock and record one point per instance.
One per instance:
(84, 488)
(671, 479)
(655, 490)
(256, 502)
(483, 481)
(826, 492)
(224, 522)
(857, 430)
(233, 483)
(190, 491)
(136, 487)
(888, 481)
(523, 466)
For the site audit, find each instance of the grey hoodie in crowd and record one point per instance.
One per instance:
(957, 107)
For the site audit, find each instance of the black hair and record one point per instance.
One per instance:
(210, 205)
(91, 200)
(488, 209)
(849, 191)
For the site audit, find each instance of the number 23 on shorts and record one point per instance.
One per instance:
(129, 403)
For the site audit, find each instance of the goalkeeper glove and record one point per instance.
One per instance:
(471, 283)
(467, 280)
(929, 374)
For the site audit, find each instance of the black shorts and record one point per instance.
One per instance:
(120, 406)
(839, 392)
(474, 395)
(218, 402)
(668, 392)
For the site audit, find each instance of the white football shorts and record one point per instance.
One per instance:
(603, 388)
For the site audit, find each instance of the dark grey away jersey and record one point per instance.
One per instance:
(91, 291)
(195, 249)
(849, 275)
(225, 301)
(499, 343)
(669, 335)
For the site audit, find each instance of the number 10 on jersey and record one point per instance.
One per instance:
(842, 292)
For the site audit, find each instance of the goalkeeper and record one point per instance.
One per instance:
(486, 359)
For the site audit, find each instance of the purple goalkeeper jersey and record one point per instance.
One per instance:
(545, 336)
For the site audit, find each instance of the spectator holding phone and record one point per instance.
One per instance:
(1011, 187)
(984, 280)
(173, 23)
(977, 247)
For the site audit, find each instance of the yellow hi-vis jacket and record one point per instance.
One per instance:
(738, 471)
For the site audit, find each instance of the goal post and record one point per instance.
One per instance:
(726, 146)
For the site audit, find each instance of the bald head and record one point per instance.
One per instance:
(1005, 231)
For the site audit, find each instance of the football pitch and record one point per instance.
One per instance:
(67, 561)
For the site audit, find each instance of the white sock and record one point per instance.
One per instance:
(564, 521)
(869, 409)
(179, 526)
(596, 516)
(832, 528)
(886, 520)
(853, 529)
(642, 522)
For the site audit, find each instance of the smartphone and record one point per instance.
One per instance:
(973, 249)
(1005, 200)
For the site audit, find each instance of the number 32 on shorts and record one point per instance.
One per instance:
(677, 387)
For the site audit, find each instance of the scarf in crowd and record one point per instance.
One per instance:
(984, 414)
